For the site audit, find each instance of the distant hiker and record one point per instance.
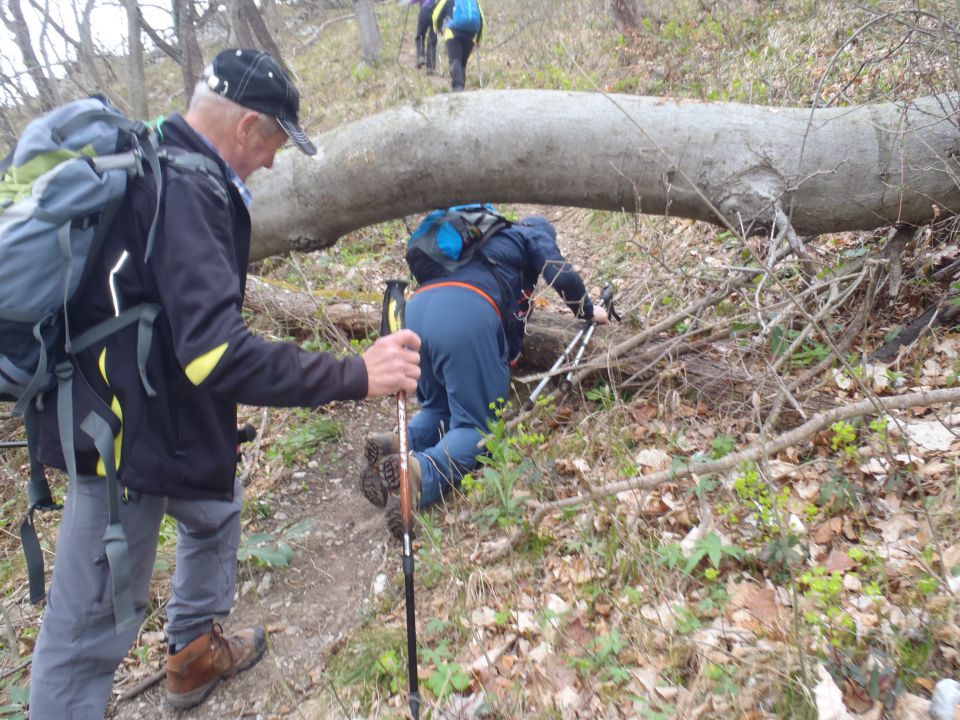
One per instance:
(471, 325)
(461, 22)
(176, 444)
(426, 36)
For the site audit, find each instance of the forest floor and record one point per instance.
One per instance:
(817, 581)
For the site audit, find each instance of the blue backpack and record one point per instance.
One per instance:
(466, 16)
(449, 239)
(59, 191)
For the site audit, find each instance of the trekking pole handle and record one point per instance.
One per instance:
(246, 433)
(393, 317)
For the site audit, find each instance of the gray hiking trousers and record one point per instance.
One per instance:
(79, 648)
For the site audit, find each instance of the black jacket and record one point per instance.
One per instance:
(521, 253)
(203, 360)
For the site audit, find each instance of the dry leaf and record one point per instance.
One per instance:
(839, 560)
(911, 707)
(929, 434)
(828, 698)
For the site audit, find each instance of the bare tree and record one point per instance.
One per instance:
(16, 23)
(240, 33)
(250, 30)
(191, 59)
(135, 76)
(369, 31)
(272, 16)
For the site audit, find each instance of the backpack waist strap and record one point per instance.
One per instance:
(454, 283)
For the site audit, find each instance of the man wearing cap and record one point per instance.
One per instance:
(176, 446)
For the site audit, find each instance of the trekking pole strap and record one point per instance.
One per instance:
(39, 378)
(114, 538)
(40, 499)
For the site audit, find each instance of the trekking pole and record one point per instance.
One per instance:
(391, 321)
(13, 444)
(559, 361)
(403, 35)
(606, 302)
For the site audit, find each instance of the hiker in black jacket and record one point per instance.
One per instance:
(426, 36)
(176, 444)
(471, 336)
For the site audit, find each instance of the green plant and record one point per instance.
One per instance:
(711, 546)
(839, 494)
(448, 676)
(809, 353)
(301, 441)
(17, 693)
(825, 590)
(504, 467)
(267, 549)
(844, 438)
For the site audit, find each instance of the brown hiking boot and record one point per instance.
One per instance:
(194, 672)
(390, 472)
(377, 447)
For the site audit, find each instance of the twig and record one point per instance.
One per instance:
(22, 666)
(145, 684)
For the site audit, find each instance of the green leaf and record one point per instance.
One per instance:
(300, 530)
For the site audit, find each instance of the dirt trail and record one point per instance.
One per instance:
(310, 605)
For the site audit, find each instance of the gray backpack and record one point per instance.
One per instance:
(59, 191)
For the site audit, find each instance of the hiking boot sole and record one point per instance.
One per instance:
(184, 701)
(395, 519)
(372, 487)
(378, 447)
(389, 472)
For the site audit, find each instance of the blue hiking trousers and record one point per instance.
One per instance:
(463, 369)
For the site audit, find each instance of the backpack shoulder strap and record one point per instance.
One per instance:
(198, 163)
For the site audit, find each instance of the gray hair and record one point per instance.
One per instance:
(227, 112)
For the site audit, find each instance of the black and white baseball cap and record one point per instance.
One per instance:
(253, 79)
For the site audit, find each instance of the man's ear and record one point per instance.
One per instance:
(246, 126)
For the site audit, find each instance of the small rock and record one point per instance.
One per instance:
(946, 698)
(265, 584)
(379, 584)
(246, 587)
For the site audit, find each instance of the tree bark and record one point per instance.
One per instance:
(272, 16)
(240, 33)
(135, 75)
(260, 31)
(369, 31)
(830, 170)
(17, 25)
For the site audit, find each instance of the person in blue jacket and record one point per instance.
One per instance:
(470, 336)
(462, 29)
(176, 447)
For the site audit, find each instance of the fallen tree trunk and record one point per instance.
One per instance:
(828, 170)
(297, 311)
